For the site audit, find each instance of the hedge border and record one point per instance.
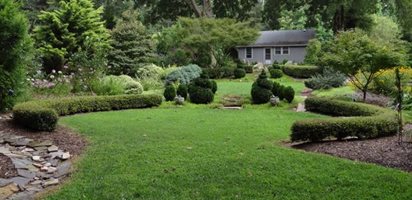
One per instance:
(43, 115)
(352, 119)
(301, 71)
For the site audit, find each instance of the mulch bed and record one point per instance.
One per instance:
(383, 151)
(62, 137)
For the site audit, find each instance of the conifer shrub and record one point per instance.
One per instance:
(170, 92)
(182, 90)
(262, 89)
(276, 73)
(239, 73)
(201, 90)
(288, 93)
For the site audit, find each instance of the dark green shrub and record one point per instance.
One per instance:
(301, 71)
(249, 69)
(213, 73)
(42, 115)
(276, 65)
(202, 89)
(15, 46)
(328, 79)
(214, 87)
(199, 95)
(227, 72)
(277, 89)
(182, 91)
(170, 92)
(288, 93)
(261, 89)
(361, 120)
(239, 73)
(276, 73)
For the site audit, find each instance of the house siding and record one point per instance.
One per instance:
(296, 55)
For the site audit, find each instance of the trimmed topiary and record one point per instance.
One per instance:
(170, 92)
(43, 115)
(202, 89)
(276, 73)
(182, 91)
(239, 73)
(301, 71)
(360, 120)
(277, 89)
(288, 93)
(261, 89)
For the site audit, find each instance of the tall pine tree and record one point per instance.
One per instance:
(72, 26)
(131, 43)
(14, 49)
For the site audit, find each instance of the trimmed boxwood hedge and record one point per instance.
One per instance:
(360, 120)
(43, 115)
(301, 71)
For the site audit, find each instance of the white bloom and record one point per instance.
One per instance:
(53, 71)
(52, 76)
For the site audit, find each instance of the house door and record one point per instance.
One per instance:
(268, 56)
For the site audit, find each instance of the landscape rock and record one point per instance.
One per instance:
(8, 190)
(50, 182)
(53, 148)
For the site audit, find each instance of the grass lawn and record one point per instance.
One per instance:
(204, 153)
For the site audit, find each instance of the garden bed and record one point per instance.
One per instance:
(382, 151)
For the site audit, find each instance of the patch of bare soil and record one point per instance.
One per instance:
(383, 151)
(62, 137)
(7, 169)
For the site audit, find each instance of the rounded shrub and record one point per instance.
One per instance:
(170, 92)
(202, 89)
(288, 93)
(276, 73)
(182, 91)
(227, 72)
(261, 89)
(239, 73)
(199, 95)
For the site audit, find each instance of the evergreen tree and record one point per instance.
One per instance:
(71, 27)
(15, 45)
(132, 45)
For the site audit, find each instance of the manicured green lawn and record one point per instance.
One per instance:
(197, 152)
(203, 153)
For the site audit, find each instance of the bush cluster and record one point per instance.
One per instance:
(185, 74)
(202, 90)
(361, 120)
(262, 89)
(182, 91)
(301, 71)
(43, 115)
(283, 92)
(328, 79)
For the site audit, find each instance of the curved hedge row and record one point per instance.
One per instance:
(360, 120)
(301, 71)
(43, 115)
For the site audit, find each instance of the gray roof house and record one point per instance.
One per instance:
(277, 45)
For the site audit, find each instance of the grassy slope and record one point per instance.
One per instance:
(203, 153)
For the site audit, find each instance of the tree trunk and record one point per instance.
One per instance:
(204, 10)
(364, 94)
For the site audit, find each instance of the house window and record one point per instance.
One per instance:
(285, 51)
(249, 53)
(278, 50)
(282, 51)
(268, 54)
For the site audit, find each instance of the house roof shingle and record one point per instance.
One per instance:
(283, 37)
